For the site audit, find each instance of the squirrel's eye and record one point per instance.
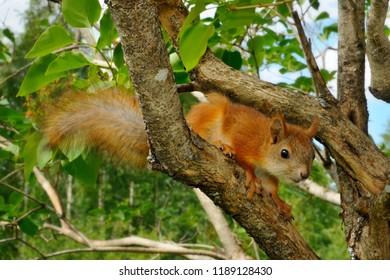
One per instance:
(285, 153)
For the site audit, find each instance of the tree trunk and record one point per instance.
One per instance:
(366, 229)
(378, 50)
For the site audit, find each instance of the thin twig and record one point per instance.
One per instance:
(318, 80)
(32, 247)
(26, 195)
(10, 174)
(28, 213)
(5, 240)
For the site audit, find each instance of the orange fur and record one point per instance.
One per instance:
(111, 121)
(256, 142)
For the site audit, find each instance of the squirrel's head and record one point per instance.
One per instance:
(290, 154)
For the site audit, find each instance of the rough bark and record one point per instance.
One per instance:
(351, 62)
(179, 153)
(378, 50)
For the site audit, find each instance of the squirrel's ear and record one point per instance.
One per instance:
(278, 128)
(312, 130)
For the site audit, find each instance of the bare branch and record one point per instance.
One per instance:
(131, 244)
(233, 250)
(139, 250)
(51, 193)
(2, 182)
(320, 192)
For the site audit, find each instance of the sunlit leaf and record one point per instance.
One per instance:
(193, 43)
(67, 61)
(36, 79)
(81, 13)
(52, 39)
(108, 31)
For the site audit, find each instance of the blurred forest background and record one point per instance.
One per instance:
(105, 202)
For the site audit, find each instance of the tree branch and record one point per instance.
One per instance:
(233, 250)
(130, 244)
(320, 192)
(51, 193)
(319, 83)
(137, 250)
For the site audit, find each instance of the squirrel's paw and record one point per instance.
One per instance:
(285, 210)
(254, 187)
(226, 149)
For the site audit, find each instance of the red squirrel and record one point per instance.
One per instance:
(268, 149)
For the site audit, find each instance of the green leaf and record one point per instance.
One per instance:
(52, 39)
(194, 13)
(28, 227)
(181, 76)
(234, 19)
(328, 76)
(44, 153)
(10, 115)
(94, 74)
(333, 28)
(256, 47)
(74, 150)
(97, 212)
(9, 34)
(81, 13)
(122, 77)
(177, 65)
(118, 58)
(233, 59)
(193, 43)
(283, 10)
(315, 4)
(16, 198)
(67, 61)
(323, 15)
(35, 79)
(30, 154)
(86, 171)
(108, 31)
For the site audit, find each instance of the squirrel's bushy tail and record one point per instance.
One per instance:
(110, 121)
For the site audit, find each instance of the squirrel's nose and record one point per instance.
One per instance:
(305, 174)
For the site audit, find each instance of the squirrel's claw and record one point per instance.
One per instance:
(226, 149)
